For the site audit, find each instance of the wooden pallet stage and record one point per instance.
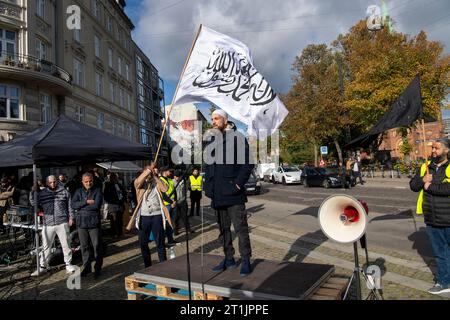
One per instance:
(268, 280)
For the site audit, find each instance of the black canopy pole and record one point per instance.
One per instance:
(36, 227)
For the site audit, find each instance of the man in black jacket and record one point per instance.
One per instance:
(226, 174)
(87, 202)
(434, 203)
(115, 197)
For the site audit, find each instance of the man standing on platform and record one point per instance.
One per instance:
(87, 201)
(195, 186)
(225, 180)
(434, 204)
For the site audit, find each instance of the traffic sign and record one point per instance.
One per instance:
(324, 150)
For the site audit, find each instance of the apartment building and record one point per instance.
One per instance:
(89, 74)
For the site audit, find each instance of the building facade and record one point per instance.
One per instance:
(392, 141)
(150, 105)
(88, 74)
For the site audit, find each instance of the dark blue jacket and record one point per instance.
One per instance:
(87, 216)
(221, 177)
(56, 205)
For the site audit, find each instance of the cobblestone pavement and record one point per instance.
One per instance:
(405, 277)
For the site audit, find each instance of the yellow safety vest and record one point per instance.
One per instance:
(196, 183)
(423, 170)
(171, 186)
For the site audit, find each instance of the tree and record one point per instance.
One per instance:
(381, 64)
(315, 103)
(355, 80)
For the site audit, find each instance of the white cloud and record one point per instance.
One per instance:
(275, 31)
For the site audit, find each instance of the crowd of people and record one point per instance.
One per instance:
(82, 203)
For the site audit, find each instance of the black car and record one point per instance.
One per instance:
(320, 177)
(350, 179)
(253, 185)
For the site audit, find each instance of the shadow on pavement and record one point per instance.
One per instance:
(422, 245)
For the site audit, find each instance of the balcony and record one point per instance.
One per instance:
(33, 71)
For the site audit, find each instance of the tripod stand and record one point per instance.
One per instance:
(357, 272)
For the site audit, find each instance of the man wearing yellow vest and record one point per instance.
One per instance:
(170, 202)
(434, 204)
(195, 186)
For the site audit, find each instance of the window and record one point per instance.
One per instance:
(8, 44)
(121, 97)
(127, 71)
(99, 84)
(41, 50)
(78, 72)
(119, 64)
(100, 120)
(129, 102)
(40, 8)
(139, 66)
(141, 92)
(110, 24)
(114, 126)
(46, 108)
(9, 102)
(121, 129)
(77, 35)
(110, 57)
(97, 46)
(144, 136)
(112, 89)
(80, 114)
(96, 9)
(130, 133)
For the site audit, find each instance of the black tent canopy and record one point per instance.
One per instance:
(66, 142)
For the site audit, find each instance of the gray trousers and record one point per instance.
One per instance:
(94, 235)
(237, 215)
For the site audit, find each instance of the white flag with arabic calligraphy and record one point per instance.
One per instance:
(220, 70)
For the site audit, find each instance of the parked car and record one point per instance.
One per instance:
(286, 174)
(320, 177)
(350, 179)
(253, 185)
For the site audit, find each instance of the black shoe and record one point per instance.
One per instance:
(85, 272)
(246, 268)
(226, 263)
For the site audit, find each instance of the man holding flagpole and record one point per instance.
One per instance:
(219, 69)
(225, 181)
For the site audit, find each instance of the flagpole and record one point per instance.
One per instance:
(424, 145)
(176, 92)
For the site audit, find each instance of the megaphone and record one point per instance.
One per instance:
(342, 218)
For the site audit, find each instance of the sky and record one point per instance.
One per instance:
(275, 31)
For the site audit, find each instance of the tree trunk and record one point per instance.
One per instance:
(315, 156)
(339, 151)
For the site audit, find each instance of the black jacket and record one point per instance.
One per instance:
(110, 194)
(87, 216)
(221, 177)
(436, 200)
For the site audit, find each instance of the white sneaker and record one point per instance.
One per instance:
(41, 271)
(70, 268)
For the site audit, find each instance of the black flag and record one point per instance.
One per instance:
(403, 112)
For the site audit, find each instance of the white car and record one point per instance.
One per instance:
(286, 174)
